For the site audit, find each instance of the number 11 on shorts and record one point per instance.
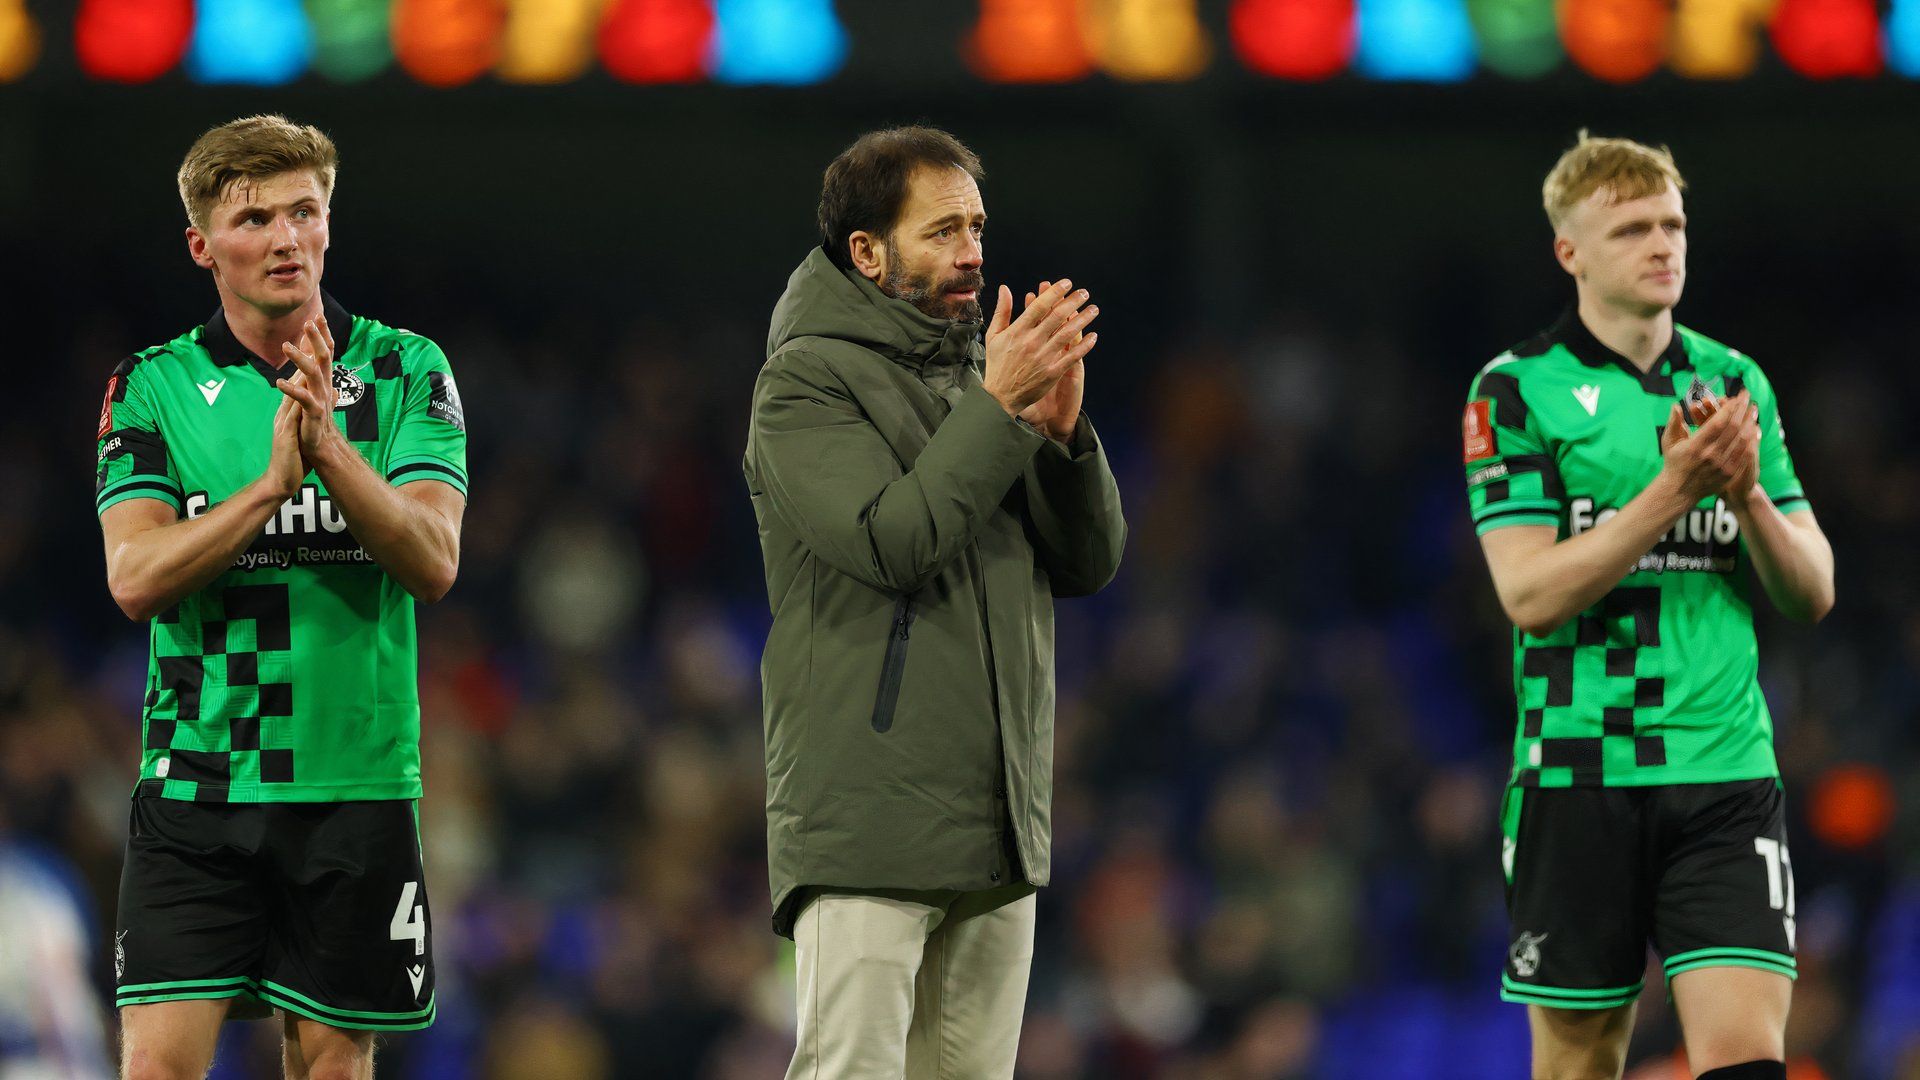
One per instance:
(1779, 879)
(410, 919)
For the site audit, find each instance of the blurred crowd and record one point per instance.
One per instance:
(1282, 733)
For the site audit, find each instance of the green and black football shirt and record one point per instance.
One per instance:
(1656, 683)
(290, 677)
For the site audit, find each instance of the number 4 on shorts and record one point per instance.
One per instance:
(410, 919)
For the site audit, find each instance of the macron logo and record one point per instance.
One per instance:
(1589, 398)
(417, 973)
(211, 389)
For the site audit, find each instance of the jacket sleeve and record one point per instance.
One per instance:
(828, 472)
(1074, 506)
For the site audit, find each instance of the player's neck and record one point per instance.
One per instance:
(263, 334)
(1638, 336)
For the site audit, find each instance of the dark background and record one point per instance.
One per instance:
(1282, 732)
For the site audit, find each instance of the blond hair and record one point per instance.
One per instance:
(252, 148)
(1625, 169)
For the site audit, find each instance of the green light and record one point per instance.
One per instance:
(1518, 38)
(350, 38)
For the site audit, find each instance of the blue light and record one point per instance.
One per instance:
(1414, 40)
(1903, 38)
(264, 42)
(789, 42)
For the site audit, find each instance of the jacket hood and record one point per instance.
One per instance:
(823, 300)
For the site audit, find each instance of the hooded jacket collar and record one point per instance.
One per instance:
(823, 300)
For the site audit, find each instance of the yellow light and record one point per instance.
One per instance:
(19, 40)
(1718, 39)
(1148, 40)
(548, 41)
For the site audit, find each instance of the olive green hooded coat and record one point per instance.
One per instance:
(914, 536)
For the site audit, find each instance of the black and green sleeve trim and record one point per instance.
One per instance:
(427, 470)
(139, 487)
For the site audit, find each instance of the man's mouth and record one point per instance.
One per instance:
(285, 272)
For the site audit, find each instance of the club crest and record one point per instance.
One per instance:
(347, 387)
(1524, 956)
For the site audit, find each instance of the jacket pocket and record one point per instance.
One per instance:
(895, 667)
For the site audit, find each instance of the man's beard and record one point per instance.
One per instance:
(931, 299)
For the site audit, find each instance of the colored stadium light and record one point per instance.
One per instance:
(1293, 39)
(785, 42)
(1029, 41)
(656, 41)
(262, 42)
(548, 41)
(1415, 40)
(1149, 40)
(447, 42)
(1903, 38)
(350, 41)
(1828, 39)
(19, 40)
(1718, 39)
(131, 41)
(1620, 41)
(1518, 38)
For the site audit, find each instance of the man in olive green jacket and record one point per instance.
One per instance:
(921, 499)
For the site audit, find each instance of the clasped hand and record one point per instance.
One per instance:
(1036, 363)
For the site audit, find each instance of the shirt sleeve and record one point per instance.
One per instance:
(430, 441)
(132, 450)
(1511, 477)
(1777, 477)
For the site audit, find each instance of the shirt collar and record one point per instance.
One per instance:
(1572, 332)
(217, 338)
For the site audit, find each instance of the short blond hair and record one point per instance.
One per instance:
(1627, 170)
(252, 148)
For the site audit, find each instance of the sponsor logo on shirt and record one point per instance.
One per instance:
(443, 401)
(308, 530)
(1705, 540)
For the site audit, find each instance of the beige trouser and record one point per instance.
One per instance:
(925, 985)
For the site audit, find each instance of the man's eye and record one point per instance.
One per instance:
(944, 233)
(303, 212)
(256, 219)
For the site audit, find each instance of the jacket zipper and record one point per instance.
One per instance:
(895, 667)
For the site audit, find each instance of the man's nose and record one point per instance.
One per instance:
(284, 237)
(971, 254)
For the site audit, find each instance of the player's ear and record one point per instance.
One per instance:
(869, 254)
(197, 248)
(1566, 254)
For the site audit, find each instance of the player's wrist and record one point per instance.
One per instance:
(329, 451)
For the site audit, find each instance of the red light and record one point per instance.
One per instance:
(1853, 806)
(657, 41)
(447, 42)
(132, 41)
(1828, 39)
(1305, 40)
(1029, 41)
(1620, 41)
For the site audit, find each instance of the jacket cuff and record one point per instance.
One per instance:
(1083, 447)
